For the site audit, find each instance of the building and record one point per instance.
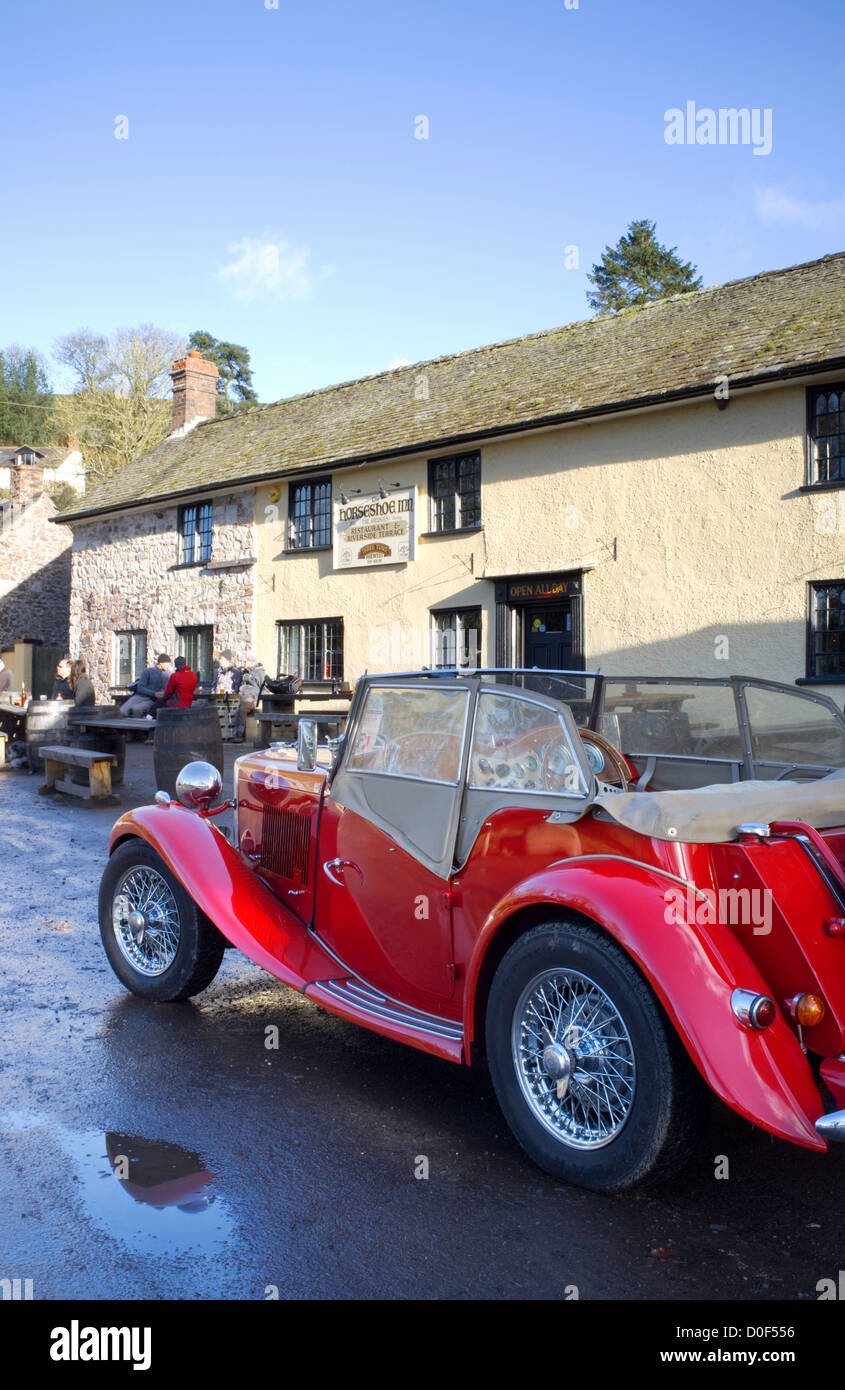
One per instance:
(660, 490)
(60, 464)
(35, 565)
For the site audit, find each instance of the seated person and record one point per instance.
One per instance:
(147, 689)
(81, 685)
(61, 685)
(179, 691)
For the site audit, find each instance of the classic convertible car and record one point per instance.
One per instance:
(619, 892)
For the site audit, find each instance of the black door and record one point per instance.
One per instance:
(548, 637)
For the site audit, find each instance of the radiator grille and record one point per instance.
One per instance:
(285, 841)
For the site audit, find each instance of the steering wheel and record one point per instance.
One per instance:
(607, 762)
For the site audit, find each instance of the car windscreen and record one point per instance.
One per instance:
(672, 718)
(792, 732)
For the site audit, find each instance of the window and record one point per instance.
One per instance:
(826, 644)
(311, 650)
(410, 733)
(195, 644)
(310, 514)
(454, 488)
(130, 656)
(195, 524)
(827, 435)
(456, 638)
(518, 743)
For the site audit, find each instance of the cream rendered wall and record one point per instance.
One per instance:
(385, 611)
(690, 519)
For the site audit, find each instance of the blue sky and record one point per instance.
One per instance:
(272, 190)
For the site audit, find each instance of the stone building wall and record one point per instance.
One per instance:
(127, 577)
(34, 572)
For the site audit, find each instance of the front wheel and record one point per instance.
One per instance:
(589, 1073)
(158, 942)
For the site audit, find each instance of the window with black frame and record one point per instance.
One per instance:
(826, 640)
(310, 514)
(456, 638)
(312, 650)
(827, 434)
(454, 489)
(196, 645)
(195, 531)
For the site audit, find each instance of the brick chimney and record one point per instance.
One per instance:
(26, 480)
(194, 391)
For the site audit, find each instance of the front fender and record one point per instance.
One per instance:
(693, 969)
(228, 891)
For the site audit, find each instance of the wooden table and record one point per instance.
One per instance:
(12, 718)
(269, 719)
(115, 725)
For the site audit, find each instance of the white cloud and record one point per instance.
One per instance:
(399, 362)
(775, 205)
(267, 267)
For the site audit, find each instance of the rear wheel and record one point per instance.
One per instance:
(589, 1073)
(158, 942)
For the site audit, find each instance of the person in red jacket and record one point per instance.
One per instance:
(179, 691)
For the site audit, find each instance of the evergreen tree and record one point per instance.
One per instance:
(26, 398)
(637, 270)
(234, 384)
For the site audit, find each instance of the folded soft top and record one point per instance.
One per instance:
(708, 815)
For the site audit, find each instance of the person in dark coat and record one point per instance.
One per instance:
(146, 689)
(61, 685)
(81, 685)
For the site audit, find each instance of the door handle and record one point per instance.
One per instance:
(336, 866)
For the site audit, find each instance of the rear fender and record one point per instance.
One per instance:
(693, 969)
(228, 891)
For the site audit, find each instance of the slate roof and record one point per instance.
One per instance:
(49, 455)
(769, 324)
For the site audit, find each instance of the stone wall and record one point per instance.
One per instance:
(127, 577)
(34, 573)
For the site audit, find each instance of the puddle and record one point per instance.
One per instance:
(153, 1196)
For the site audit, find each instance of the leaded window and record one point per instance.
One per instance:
(456, 638)
(195, 528)
(311, 650)
(826, 646)
(196, 644)
(454, 486)
(130, 656)
(310, 514)
(827, 434)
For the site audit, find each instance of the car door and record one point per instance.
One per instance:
(387, 838)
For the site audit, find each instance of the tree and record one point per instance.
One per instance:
(118, 408)
(637, 270)
(234, 384)
(26, 398)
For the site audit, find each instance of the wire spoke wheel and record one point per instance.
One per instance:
(574, 1058)
(145, 920)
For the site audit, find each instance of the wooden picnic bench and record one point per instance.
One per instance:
(57, 758)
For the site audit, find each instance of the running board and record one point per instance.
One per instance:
(360, 1003)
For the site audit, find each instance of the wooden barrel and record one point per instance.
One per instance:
(46, 722)
(185, 736)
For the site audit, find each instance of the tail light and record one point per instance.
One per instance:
(755, 1011)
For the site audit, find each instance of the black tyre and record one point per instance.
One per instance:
(590, 1074)
(158, 942)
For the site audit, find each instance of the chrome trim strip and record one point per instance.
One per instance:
(640, 864)
(832, 1126)
(379, 1006)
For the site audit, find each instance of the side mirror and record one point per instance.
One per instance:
(306, 746)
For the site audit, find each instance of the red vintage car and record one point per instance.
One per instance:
(619, 892)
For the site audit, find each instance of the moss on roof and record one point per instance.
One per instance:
(747, 328)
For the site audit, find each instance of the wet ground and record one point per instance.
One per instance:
(162, 1151)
